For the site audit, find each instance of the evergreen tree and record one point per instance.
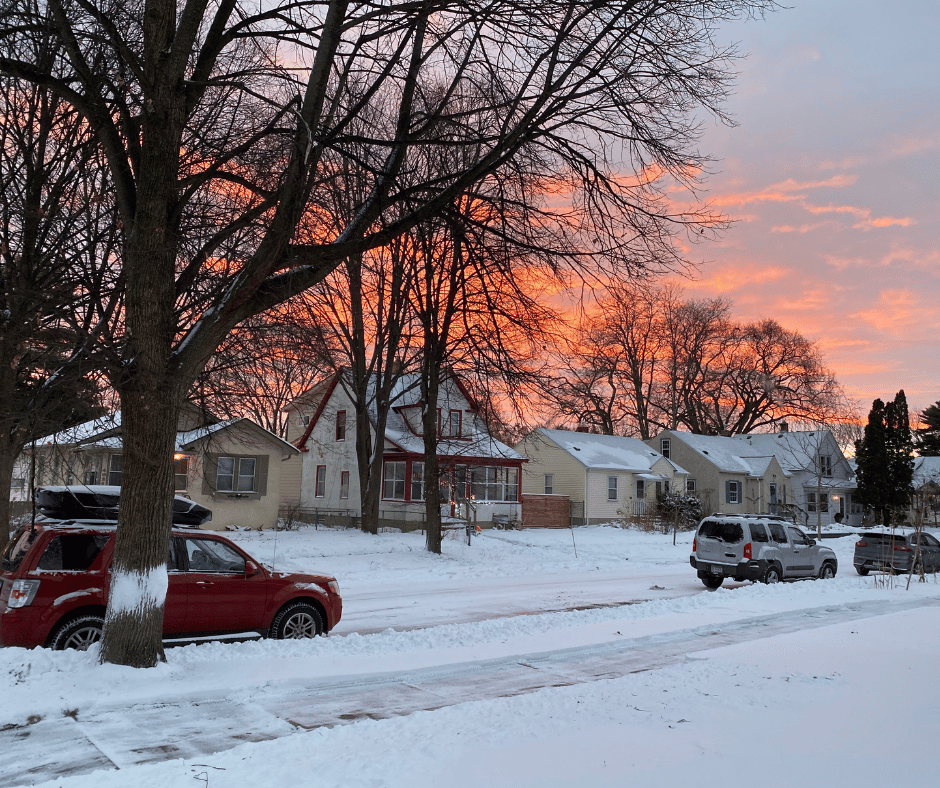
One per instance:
(885, 461)
(927, 441)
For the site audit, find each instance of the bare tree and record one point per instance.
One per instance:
(222, 124)
(53, 245)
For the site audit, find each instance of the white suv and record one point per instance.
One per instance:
(757, 547)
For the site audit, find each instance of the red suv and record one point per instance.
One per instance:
(54, 579)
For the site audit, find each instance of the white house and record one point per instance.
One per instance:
(480, 474)
(728, 475)
(605, 477)
(823, 480)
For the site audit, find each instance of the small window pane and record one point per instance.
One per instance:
(611, 488)
(225, 476)
(549, 484)
(246, 474)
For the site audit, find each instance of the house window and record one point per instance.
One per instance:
(611, 488)
(114, 470)
(340, 425)
(344, 485)
(494, 484)
(417, 481)
(18, 483)
(732, 492)
(305, 419)
(181, 471)
(549, 483)
(91, 477)
(817, 505)
(455, 424)
(690, 486)
(235, 474)
(824, 464)
(395, 475)
(320, 489)
(640, 489)
(664, 447)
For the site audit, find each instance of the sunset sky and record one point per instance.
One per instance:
(833, 176)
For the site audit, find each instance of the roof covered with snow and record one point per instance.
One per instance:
(926, 470)
(795, 450)
(105, 433)
(729, 454)
(606, 452)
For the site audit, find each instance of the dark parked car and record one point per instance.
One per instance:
(895, 552)
(54, 579)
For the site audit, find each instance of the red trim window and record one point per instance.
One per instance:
(321, 482)
(455, 427)
(344, 485)
(340, 425)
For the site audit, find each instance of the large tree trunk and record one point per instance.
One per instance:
(134, 620)
(432, 493)
(7, 458)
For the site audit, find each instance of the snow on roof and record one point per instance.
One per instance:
(729, 454)
(480, 443)
(82, 433)
(105, 433)
(795, 450)
(926, 469)
(606, 452)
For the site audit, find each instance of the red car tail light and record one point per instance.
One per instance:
(861, 543)
(903, 548)
(748, 552)
(22, 593)
(694, 543)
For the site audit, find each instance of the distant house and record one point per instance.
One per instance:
(728, 475)
(605, 477)
(926, 483)
(480, 474)
(232, 467)
(823, 479)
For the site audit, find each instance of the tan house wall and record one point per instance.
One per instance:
(545, 457)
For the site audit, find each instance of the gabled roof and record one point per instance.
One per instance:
(606, 452)
(795, 450)
(926, 471)
(729, 454)
(105, 433)
(476, 441)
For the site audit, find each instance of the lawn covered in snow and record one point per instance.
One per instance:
(816, 675)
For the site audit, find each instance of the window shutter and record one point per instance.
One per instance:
(210, 467)
(262, 470)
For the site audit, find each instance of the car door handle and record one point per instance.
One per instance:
(204, 583)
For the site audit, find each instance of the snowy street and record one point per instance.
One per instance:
(606, 658)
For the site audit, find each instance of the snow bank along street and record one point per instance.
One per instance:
(509, 662)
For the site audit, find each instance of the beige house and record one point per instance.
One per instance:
(605, 477)
(234, 468)
(728, 475)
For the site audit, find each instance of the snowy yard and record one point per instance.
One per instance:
(512, 662)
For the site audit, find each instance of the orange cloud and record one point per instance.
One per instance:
(898, 311)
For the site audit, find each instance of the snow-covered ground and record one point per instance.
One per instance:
(524, 659)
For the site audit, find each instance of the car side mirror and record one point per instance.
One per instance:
(251, 569)
(812, 542)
